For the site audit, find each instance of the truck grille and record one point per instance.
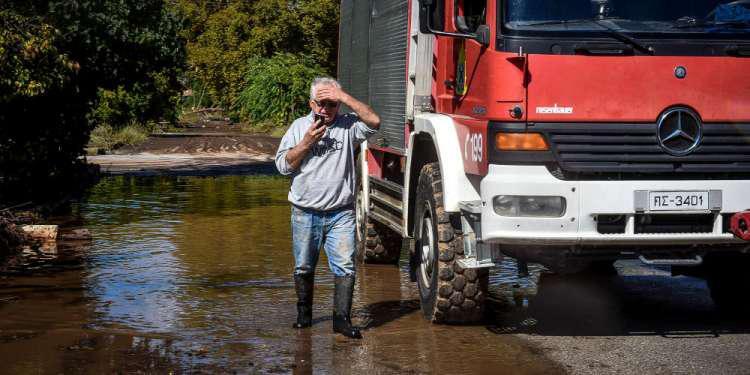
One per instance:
(624, 150)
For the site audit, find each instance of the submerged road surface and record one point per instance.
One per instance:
(189, 274)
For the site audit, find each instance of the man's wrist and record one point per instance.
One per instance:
(305, 145)
(346, 98)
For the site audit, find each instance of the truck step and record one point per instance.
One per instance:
(389, 186)
(386, 200)
(385, 203)
(386, 218)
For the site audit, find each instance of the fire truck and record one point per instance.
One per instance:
(570, 133)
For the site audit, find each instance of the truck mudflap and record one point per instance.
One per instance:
(740, 225)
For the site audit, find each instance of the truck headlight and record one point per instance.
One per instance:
(529, 206)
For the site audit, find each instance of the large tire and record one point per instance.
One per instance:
(382, 245)
(376, 243)
(448, 292)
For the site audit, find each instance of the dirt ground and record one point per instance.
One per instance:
(211, 148)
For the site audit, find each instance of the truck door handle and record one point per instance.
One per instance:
(450, 83)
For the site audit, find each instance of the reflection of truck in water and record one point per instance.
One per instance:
(570, 133)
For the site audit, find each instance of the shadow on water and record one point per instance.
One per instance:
(638, 300)
(377, 314)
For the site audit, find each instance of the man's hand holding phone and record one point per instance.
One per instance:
(315, 132)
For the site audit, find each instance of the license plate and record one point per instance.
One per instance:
(677, 200)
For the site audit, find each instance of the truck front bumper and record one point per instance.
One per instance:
(588, 200)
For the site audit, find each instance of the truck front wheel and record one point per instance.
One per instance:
(448, 292)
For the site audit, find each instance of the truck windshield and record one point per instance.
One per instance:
(637, 16)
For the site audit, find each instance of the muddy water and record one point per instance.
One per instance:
(193, 274)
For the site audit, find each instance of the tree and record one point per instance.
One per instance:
(60, 56)
(227, 38)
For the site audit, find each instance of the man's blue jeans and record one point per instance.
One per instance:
(334, 229)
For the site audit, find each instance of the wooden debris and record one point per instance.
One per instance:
(40, 232)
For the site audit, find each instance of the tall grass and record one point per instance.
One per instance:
(106, 138)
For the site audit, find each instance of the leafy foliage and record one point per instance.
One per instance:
(226, 39)
(129, 53)
(144, 101)
(277, 88)
(104, 137)
(30, 63)
(218, 55)
(58, 58)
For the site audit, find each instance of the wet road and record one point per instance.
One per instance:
(191, 274)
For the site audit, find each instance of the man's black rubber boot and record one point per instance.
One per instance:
(342, 305)
(303, 284)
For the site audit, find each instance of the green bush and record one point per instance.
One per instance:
(56, 58)
(30, 62)
(223, 36)
(105, 137)
(144, 101)
(277, 89)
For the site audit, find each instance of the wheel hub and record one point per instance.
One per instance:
(426, 264)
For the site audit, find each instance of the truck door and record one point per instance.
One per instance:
(469, 15)
(470, 99)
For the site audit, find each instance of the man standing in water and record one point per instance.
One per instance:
(318, 151)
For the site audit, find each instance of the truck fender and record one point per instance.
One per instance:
(456, 186)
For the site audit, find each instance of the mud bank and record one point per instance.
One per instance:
(209, 153)
(205, 164)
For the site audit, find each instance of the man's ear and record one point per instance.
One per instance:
(312, 105)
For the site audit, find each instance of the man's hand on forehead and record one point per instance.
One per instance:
(329, 93)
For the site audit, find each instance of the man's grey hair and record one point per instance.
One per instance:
(322, 81)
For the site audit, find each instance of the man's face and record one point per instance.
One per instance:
(327, 108)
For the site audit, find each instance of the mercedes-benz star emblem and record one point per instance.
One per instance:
(679, 131)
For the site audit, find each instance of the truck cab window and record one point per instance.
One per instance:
(474, 14)
(437, 13)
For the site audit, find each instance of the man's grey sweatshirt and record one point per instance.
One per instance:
(325, 179)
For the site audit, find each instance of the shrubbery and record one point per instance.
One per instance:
(228, 40)
(58, 58)
(277, 88)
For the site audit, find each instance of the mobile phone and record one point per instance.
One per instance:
(319, 117)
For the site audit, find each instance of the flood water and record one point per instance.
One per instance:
(193, 274)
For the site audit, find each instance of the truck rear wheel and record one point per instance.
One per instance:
(376, 243)
(448, 292)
